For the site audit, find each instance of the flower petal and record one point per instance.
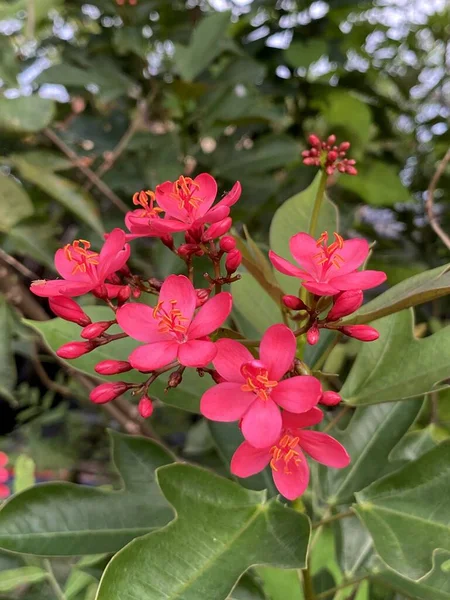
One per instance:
(114, 254)
(164, 226)
(306, 419)
(297, 394)
(361, 280)
(232, 197)
(211, 315)
(284, 266)
(196, 353)
(56, 287)
(65, 268)
(321, 289)
(277, 350)
(216, 214)
(163, 193)
(353, 253)
(292, 484)
(137, 321)
(261, 424)
(231, 355)
(153, 356)
(225, 402)
(248, 461)
(179, 288)
(323, 448)
(207, 192)
(303, 248)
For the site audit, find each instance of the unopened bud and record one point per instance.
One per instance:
(175, 379)
(112, 367)
(331, 140)
(167, 240)
(365, 333)
(69, 310)
(314, 141)
(344, 146)
(294, 303)
(123, 294)
(101, 292)
(114, 278)
(233, 260)
(217, 229)
(145, 407)
(330, 399)
(345, 303)
(187, 250)
(202, 296)
(312, 335)
(227, 243)
(74, 349)
(95, 329)
(105, 392)
(332, 156)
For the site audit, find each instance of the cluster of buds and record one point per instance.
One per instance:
(328, 156)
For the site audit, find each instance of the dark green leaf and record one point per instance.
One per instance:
(26, 114)
(255, 304)
(377, 184)
(15, 204)
(14, 578)
(8, 373)
(302, 54)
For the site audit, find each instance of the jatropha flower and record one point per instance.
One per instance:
(139, 220)
(327, 269)
(82, 269)
(252, 389)
(286, 457)
(328, 156)
(170, 329)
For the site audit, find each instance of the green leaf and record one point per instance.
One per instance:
(14, 578)
(64, 191)
(293, 216)
(281, 584)
(398, 366)
(253, 303)
(24, 468)
(71, 519)
(8, 375)
(26, 114)
(220, 531)
(204, 46)
(408, 514)
(416, 290)
(302, 54)
(15, 203)
(247, 589)
(57, 332)
(378, 184)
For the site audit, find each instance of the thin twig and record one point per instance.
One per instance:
(429, 207)
(337, 517)
(333, 590)
(77, 162)
(337, 418)
(7, 258)
(52, 580)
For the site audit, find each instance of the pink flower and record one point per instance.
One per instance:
(83, 270)
(286, 457)
(170, 328)
(139, 220)
(252, 390)
(326, 269)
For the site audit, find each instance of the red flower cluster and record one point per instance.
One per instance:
(328, 156)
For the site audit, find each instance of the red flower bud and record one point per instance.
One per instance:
(69, 310)
(227, 243)
(115, 279)
(101, 292)
(314, 141)
(344, 146)
(74, 349)
(332, 156)
(294, 303)
(330, 398)
(365, 333)
(312, 335)
(233, 260)
(175, 379)
(345, 303)
(123, 294)
(187, 250)
(217, 229)
(105, 392)
(145, 407)
(202, 296)
(167, 240)
(331, 140)
(95, 329)
(112, 367)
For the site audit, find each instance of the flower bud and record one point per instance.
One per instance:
(331, 140)
(114, 278)
(123, 294)
(345, 303)
(105, 392)
(217, 229)
(112, 367)
(101, 292)
(314, 141)
(365, 333)
(175, 379)
(233, 260)
(312, 335)
(202, 296)
(294, 303)
(187, 250)
(145, 407)
(227, 243)
(330, 398)
(69, 310)
(344, 146)
(74, 349)
(167, 240)
(332, 156)
(95, 329)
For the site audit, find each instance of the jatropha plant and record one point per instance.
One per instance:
(279, 406)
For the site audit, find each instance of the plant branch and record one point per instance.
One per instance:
(333, 590)
(318, 203)
(337, 418)
(52, 580)
(337, 517)
(308, 588)
(17, 265)
(429, 206)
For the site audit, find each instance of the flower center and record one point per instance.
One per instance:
(171, 321)
(146, 199)
(79, 253)
(327, 255)
(284, 455)
(184, 190)
(257, 379)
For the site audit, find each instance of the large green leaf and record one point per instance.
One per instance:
(398, 366)
(418, 289)
(57, 332)
(302, 54)
(293, 216)
(255, 304)
(204, 46)
(408, 513)
(15, 578)
(15, 203)
(369, 438)
(281, 584)
(66, 519)
(378, 184)
(26, 114)
(64, 191)
(220, 531)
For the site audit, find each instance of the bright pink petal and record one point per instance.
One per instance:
(293, 483)
(55, 287)
(248, 461)
(164, 226)
(232, 197)
(216, 214)
(261, 424)
(211, 315)
(306, 419)
(297, 394)
(196, 353)
(285, 267)
(114, 254)
(137, 321)
(353, 253)
(225, 402)
(163, 193)
(179, 288)
(304, 248)
(153, 356)
(206, 192)
(231, 355)
(321, 289)
(324, 449)
(277, 350)
(361, 280)
(65, 268)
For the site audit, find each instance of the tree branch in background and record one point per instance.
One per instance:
(429, 207)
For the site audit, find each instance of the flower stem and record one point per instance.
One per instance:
(308, 587)
(332, 591)
(318, 203)
(337, 517)
(59, 594)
